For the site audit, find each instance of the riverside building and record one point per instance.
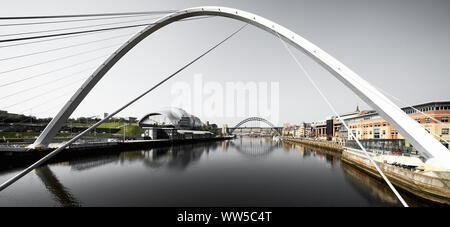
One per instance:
(374, 131)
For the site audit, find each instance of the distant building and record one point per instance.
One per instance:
(303, 130)
(288, 130)
(172, 123)
(320, 129)
(225, 129)
(131, 119)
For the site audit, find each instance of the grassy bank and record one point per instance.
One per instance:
(104, 125)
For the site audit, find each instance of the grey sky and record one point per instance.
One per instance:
(401, 46)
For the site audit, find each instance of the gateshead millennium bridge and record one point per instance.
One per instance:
(435, 153)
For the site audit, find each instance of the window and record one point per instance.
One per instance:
(384, 123)
(418, 120)
(444, 119)
(445, 131)
(427, 120)
(370, 125)
(392, 132)
(376, 133)
(384, 132)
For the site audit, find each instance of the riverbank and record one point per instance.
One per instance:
(314, 143)
(432, 186)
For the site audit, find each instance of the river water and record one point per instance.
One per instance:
(241, 172)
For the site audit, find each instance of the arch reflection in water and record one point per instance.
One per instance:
(60, 193)
(255, 147)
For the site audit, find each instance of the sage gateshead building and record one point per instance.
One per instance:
(172, 123)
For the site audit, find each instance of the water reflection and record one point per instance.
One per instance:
(373, 190)
(331, 157)
(176, 158)
(279, 174)
(255, 147)
(90, 163)
(368, 185)
(60, 193)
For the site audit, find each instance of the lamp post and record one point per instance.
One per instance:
(124, 126)
(87, 122)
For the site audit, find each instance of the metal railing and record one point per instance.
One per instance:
(378, 146)
(384, 146)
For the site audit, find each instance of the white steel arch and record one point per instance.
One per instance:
(436, 153)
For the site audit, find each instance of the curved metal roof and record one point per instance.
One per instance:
(171, 116)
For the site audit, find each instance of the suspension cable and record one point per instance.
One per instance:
(68, 21)
(44, 93)
(51, 154)
(73, 33)
(70, 92)
(86, 15)
(79, 27)
(55, 70)
(60, 58)
(343, 122)
(65, 47)
(47, 83)
(53, 39)
(88, 31)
